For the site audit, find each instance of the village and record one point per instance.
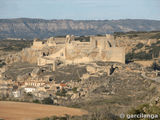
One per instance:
(61, 69)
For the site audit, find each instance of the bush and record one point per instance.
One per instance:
(2, 64)
(61, 93)
(29, 95)
(138, 56)
(74, 89)
(129, 57)
(140, 45)
(155, 66)
(143, 56)
(47, 100)
(36, 101)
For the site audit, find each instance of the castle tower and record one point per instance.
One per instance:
(93, 42)
(51, 41)
(111, 40)
(68, 39)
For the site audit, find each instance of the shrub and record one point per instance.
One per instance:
(61, 93)
(140, 45)
(29, 95)
(129, 57)
(74, 89)
(36, 101)
(47, 100)
(155, 66)
(139, 56)
(2, 64)
(143, 56)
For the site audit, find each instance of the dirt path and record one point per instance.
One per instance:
(30, 111)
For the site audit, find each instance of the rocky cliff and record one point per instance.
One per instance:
(31, 28)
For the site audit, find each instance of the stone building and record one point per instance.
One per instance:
(69, 51)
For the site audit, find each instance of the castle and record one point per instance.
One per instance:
(69, 51)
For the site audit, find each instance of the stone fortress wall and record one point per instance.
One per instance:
(69, 51)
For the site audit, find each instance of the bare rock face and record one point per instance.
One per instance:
(26, 55)
(30, 55)
(31, 28)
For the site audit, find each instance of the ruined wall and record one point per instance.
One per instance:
(44, 61)
(97, 41)
(114, 54)
(60, 40)
(73, 52)
(26, 55)
(51, 42)
(58, 54)
(38, 45)
(78, 60)
(99, 48)
(102, 42)
(70, 51)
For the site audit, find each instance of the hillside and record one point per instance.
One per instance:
(31, 28)
(104, 89)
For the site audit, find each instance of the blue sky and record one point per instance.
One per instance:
(81, 9)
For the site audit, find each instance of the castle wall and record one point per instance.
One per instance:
(96, 41)
(51, 58)
(78, 60)
(51, 42)
(60, 40)
(38, 45)
(101, 42)
(70, 51)
(58, 54)
(114, 54)
(43, 61)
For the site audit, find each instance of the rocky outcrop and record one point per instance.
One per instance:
(31, 28)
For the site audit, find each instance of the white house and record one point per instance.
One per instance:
(16, 94)
(29, 89)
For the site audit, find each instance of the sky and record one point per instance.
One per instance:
(81, 9)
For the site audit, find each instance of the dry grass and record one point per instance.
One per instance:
(30, 111)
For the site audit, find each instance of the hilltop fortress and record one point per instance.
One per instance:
(67, 50)
(70, 51)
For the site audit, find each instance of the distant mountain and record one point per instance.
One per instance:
(31, 28)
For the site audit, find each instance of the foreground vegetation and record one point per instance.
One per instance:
(153, 52)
